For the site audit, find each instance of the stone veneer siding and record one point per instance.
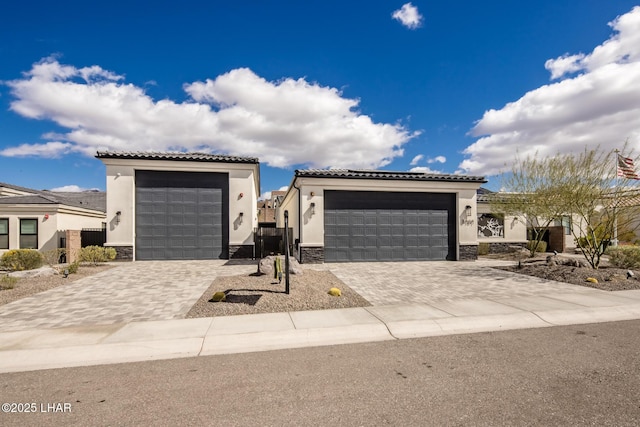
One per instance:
(503, 247)
(123, 253)
(240, 251)
(468, 253)
(311, 255)
(73, 240)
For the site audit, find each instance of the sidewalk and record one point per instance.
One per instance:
(165, 339)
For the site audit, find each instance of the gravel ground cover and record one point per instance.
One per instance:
(249, 294)
(609, 278)
(25, 287)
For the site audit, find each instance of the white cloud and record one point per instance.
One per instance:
(598, 107)
(409, 16)
(53, 149)
(267, 194)
(416, 159)
(564, 64)
(437, 159)
(423, 169)
(313, 125)
(71, 189)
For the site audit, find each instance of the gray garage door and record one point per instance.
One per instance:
(181, 215)
(381, 226)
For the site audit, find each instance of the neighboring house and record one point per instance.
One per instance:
(267, 209)
(504, 232)
(35, 219)
(165, 206)
(353, 215)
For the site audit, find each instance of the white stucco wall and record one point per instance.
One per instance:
(312, 191)
(53, 220)
(243, 178)
(515, 228)
(241, 226)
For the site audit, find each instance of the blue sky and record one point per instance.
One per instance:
(434, 86)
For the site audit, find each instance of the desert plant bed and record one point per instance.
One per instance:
(608, 278)
(252, 293)
(27, 286)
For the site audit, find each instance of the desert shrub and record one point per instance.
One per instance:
(52, 257)
(96, 254)
(73, 267)
(8, 282)
(21, 259)
(483, 248)
(542, 245)
(624, 257)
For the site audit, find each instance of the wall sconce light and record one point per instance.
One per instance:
(240, 216)
(241, 195)
(313, 208)
(118, 214)
(312, 194)
(46, 217)
(468, 210)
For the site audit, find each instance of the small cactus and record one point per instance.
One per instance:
(335, 292)
(218, 297)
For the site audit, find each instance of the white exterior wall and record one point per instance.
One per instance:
(290, 203)
(241, 226)
(60, 218)
(312, 229)
(243, 178)
(515, 228)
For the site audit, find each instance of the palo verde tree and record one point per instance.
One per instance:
(531, 195)
(583, 186)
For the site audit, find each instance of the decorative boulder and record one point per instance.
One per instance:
(266, 265)
(38, 272)
(560, 260)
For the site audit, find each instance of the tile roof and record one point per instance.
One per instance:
(94, 200)
(378, 174)
(193, 157)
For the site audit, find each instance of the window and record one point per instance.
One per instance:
(490, 225)
(4, 233)
(564, 222)
(28, 234)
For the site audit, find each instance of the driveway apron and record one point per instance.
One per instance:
(390, 283)
(136, 291)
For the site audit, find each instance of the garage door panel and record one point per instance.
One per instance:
(409, 226)
(175, 210)
(411, 241)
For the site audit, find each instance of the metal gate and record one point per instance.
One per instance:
(92, 237)
(270, 240)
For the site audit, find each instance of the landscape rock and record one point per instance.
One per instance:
(38, 272)
(265, 266)
(571, 262)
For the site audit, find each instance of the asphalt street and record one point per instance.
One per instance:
(570, 375)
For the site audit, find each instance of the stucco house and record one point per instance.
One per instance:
(169, 206)
(35, 219)
(504, 232)
(354, 215)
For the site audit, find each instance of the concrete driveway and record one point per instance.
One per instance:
(164, 290)
(389, 283)
(136, 291)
